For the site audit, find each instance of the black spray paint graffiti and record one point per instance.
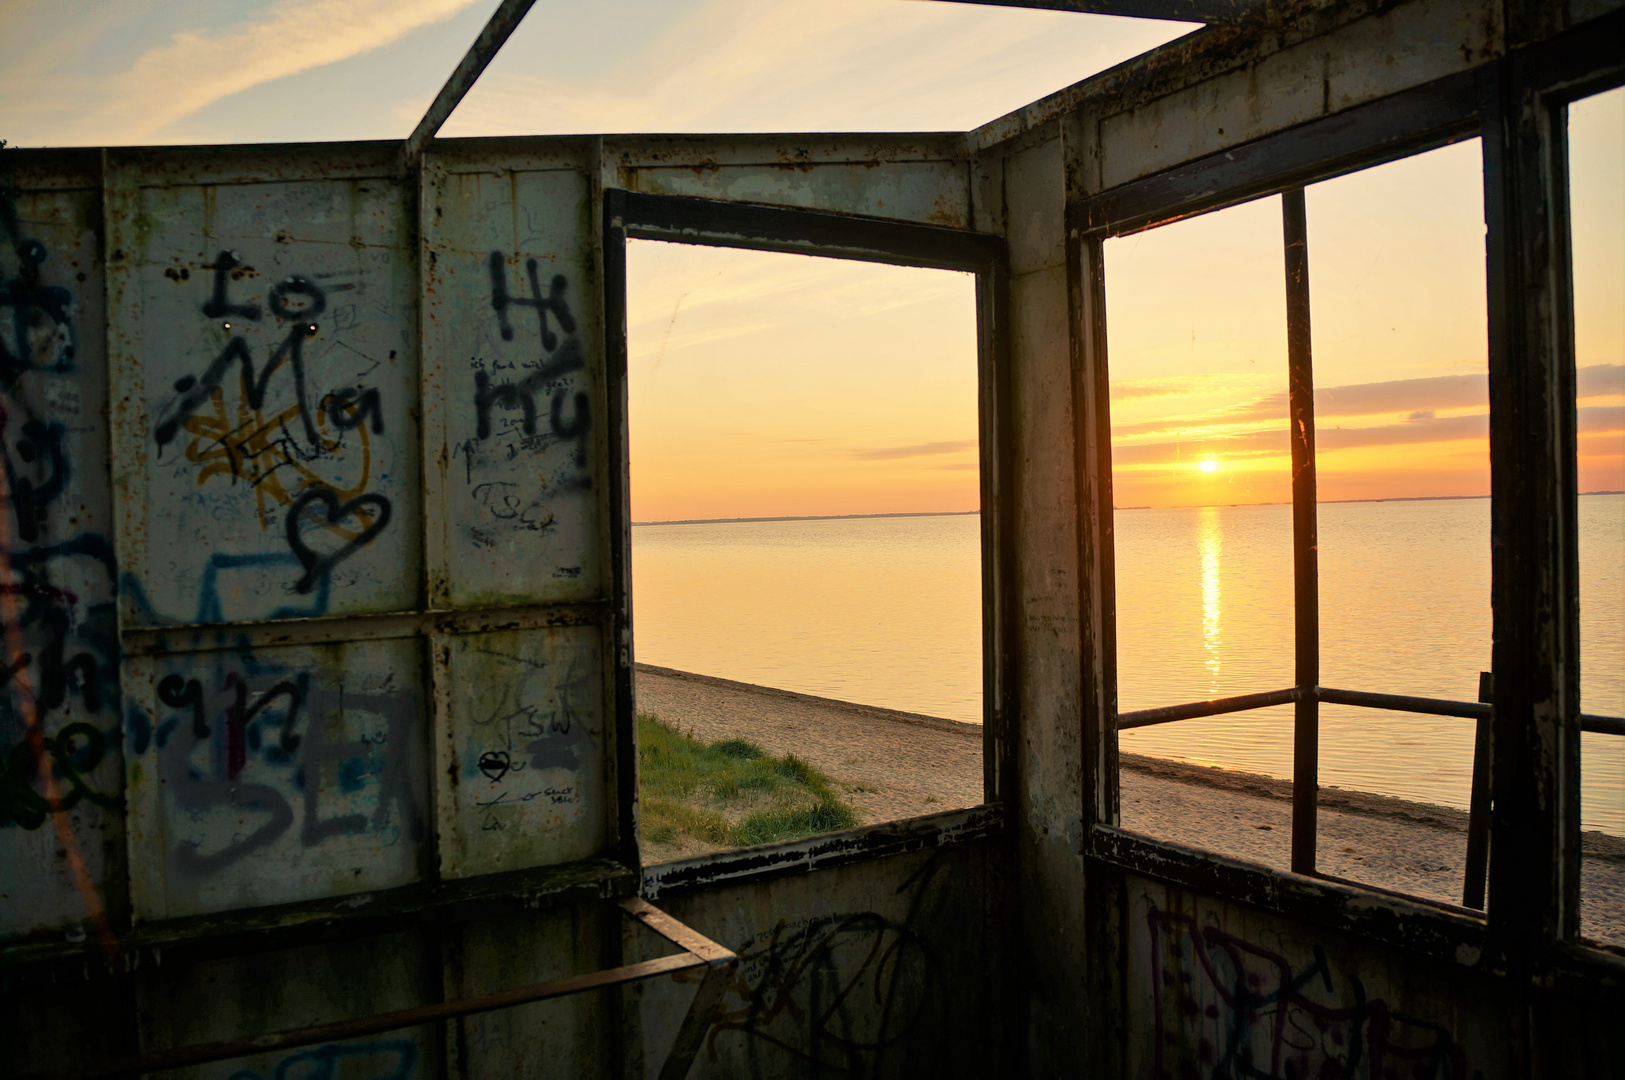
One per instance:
(251, 451)
(526, 735)
(569, 413)
(318, 565)
(252, 774)
(1227, 1008)
(41, 323)
(295, 300)
(846, 993)
(61, 581)
(71, 663)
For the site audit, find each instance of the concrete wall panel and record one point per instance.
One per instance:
(269, 445)
(524, 750)
(1407, 45)
(268, 776)
(61, 582)
(514, 388)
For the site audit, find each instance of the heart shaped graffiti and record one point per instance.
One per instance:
(317, 564)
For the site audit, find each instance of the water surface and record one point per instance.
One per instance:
(887, 611)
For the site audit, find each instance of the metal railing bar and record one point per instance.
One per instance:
(1602, 725)
(698, 951)
(1470, 710)
(226, 1049)
(1241, 703)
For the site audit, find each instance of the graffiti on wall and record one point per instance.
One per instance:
(387, 1059)
(528, 733)
(60, 574)
(259, 422)
(523, 407)
(845, 993)
(1224, 1007)
(304, 761)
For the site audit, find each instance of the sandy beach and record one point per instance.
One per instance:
(893, 764)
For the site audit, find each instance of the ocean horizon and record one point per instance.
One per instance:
(885, 610)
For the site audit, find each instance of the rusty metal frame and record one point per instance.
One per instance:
(1535, 915)
(698, 951)
(502, 23)
(1202, 11)
(683, 219)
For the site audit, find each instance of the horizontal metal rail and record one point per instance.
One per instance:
(698, 951)
(1471, 710)
(1170, 713)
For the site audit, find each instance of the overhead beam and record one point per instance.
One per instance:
(504, 20)
(1201, 11)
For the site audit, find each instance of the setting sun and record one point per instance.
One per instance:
(1209, 466)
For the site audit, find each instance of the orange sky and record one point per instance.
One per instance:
(767, 384)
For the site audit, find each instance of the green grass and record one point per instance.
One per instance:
(729, 793)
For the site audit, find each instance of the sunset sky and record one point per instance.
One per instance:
(775, 385)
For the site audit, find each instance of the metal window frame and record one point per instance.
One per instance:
(718, 223)
(1515, 106)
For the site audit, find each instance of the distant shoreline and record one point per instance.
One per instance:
(1339, 502)
(809, 517)
(966, 513)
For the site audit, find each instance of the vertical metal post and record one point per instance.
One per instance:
(1305, 558)
(1478, 806)
(1534, 889)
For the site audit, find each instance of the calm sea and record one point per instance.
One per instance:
(886, 611)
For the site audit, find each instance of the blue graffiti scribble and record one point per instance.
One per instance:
(211, 610)
(322, 1063)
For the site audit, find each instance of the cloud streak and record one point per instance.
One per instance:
(1418, 401)
(195, 68)
(927, 449)
(1593, 420)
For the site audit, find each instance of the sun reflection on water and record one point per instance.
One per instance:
(1209, 544)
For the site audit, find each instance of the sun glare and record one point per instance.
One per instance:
(1209, 466)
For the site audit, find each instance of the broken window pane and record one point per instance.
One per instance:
(806, 546)
(1201, 481)
(1596, 131)
(1397, 287)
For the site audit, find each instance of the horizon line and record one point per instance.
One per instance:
(809, 517)
(962, 513)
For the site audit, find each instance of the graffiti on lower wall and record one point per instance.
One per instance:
(853, 994)
(1225, 1007)
(388, 1059)
(276, 776)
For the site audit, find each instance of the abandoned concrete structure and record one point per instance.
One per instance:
(356, 911)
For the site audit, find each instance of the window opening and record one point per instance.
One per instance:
(1397, 261)
(1201, 479)
(1382, 612)
(806, 544)
(1596, 143)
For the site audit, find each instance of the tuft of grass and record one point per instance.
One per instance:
(731, 793)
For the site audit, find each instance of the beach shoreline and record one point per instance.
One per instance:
(892, 765)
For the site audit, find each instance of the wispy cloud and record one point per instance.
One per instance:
(195, 68)
(888, 453)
